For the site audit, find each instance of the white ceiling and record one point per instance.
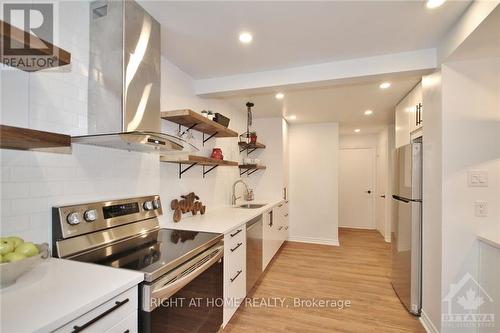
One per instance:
(202, 37)
(344, 103)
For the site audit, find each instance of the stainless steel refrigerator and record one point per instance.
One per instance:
(406, 234)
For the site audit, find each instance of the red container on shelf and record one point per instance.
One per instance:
(217, 154)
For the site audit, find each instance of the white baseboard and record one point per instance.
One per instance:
(427, 323)
(312, 240)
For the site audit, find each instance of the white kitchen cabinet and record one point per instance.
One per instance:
(415, 108)
(275, 232)
(409, 116)
(268, 238)
(402, 123)
(234, 271)
(119, 314)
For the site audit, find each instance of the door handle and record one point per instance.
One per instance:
(382, 196)
(369, 191)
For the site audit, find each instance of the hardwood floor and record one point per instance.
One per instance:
(358, 270)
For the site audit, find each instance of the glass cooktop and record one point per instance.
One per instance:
(155, 253)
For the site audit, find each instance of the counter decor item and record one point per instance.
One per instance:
(204, 113)
(251, 161)
(210, 115)
(217, 154)
(188, 203)
(253, 137)
(249, 195)
(20, 260)
(220, 119)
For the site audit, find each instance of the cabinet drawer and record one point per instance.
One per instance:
(127, 325)
(105, 316)
(235, 247)
(234, 291)
(235, 236)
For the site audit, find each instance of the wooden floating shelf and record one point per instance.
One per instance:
(200, 160)
(22, 39)
(193, 160)
(27, 139)
(250, 147)
(193, 120)
(250, 168)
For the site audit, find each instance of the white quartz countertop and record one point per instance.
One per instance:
(219, 220)
(58, 291)
(493, 240)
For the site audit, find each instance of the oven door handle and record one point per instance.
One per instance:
(171, 288)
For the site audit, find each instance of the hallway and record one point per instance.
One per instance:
(359, 272)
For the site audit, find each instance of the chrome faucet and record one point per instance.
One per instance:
(234, 198)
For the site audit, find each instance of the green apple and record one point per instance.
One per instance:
(28, 249)
(16, 240)
(6, 246)
(14, 256)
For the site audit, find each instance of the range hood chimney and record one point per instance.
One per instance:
(125, 80)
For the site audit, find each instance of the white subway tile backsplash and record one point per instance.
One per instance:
(26, 174)
(15, 190)
(12, 225)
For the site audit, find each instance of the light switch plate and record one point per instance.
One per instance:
(481, 208)
(478, 178)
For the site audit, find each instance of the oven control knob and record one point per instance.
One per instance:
(73, 218)
(156, 203)
(90, 215)
(148, 205)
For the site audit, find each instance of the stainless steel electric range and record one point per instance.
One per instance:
(183, 275)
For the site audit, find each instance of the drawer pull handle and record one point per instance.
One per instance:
(237, 246)
(77, 328)
(286, 215)
(237, 232)
(280, 205)
(236, 276)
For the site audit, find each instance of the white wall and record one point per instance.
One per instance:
(314, 183)
(432, 198)
(471, 136)
(215, 188)
(358, 141)
(385, 171)
(270, 182)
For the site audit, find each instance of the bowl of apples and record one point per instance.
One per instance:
(18, 257)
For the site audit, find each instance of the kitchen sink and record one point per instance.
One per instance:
(251, 206)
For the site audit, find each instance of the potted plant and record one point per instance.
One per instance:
(253, 137)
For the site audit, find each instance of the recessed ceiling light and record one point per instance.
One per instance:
(245, 37)
(368, 112)
(293, 117)
(357, 130)
(434, 3)
(279, 95)
(385, 85)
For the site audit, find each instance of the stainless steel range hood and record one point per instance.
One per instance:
(125, 80)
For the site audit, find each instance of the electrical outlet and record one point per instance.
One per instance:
(478, 178)
(481, 208)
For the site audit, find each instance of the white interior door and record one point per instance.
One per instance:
(357, 190)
